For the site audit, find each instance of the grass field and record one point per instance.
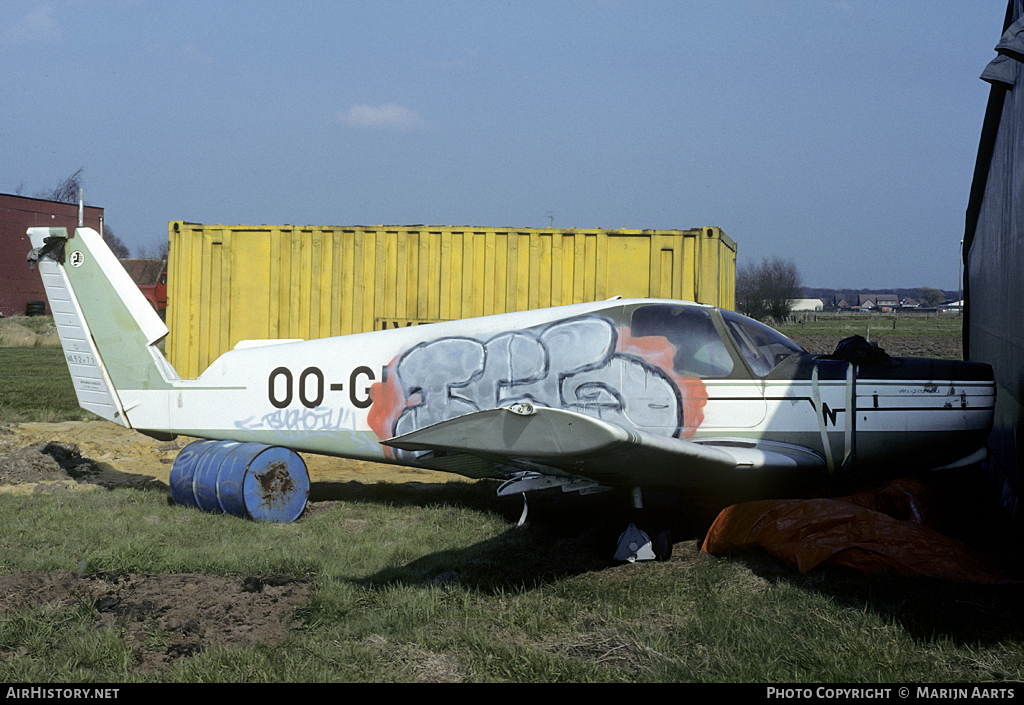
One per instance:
(35, 386)
(448, 589)
(438, 584)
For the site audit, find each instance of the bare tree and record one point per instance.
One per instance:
(767, 290)
(156, 250)
(751, 296)
(66, 191)
(115, 244)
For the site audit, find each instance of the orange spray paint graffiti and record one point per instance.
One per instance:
(658, 351)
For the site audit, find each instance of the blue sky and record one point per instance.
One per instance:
(840, 134)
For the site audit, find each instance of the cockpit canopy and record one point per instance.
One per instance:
(707, 346)
(762, 347)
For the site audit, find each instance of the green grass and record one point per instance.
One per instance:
(46, 637)
(456, 590)
(35, 385)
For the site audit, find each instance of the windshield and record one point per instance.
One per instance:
(762, 347)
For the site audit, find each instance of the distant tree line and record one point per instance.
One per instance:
(927, 297)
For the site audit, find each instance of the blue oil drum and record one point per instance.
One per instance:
(183, 470)
(265, 483)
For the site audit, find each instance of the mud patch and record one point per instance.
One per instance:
(895, 345)
(166, 617)
(45, 461)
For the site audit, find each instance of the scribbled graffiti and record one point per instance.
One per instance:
(318, 419)
(338, 427)
(585, 364)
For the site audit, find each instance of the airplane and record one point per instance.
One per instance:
(640, 394)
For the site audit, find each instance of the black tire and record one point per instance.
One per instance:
(662, 545)
(35, 308)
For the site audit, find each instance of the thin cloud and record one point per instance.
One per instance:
(194, 55)
(388, 116)
(179, 55)
(38, 26)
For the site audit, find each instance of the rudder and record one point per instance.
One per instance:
(107, 329)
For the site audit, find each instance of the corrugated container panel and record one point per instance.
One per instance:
(236, 282)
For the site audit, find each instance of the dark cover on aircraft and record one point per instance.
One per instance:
(858, 349)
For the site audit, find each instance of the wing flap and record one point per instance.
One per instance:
(569, 443)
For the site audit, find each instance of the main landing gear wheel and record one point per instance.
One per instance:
(636, 545)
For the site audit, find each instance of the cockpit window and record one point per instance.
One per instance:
(762, 347)
(699, 349)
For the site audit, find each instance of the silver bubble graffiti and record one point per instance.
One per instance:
(570, 365)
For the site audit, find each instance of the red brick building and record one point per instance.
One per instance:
(18, 283)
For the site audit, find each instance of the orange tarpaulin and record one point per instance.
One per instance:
(871, 532)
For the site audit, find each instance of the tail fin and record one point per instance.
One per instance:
(107, 328)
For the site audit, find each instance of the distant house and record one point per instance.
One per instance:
(145, 272)
(882, 302)
(910, 303)
(151, 277)
(18, 283)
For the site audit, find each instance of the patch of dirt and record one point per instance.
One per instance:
(169, 616)
(102, 454)
(43, 461)
(895, 345)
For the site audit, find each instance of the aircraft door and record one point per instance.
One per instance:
(678, 375)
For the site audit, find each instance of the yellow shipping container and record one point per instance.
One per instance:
(228, 283)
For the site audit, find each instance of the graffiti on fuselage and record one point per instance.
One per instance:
(585, 365)
(316, 419)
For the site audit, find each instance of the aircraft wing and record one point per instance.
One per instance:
(570, 444)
